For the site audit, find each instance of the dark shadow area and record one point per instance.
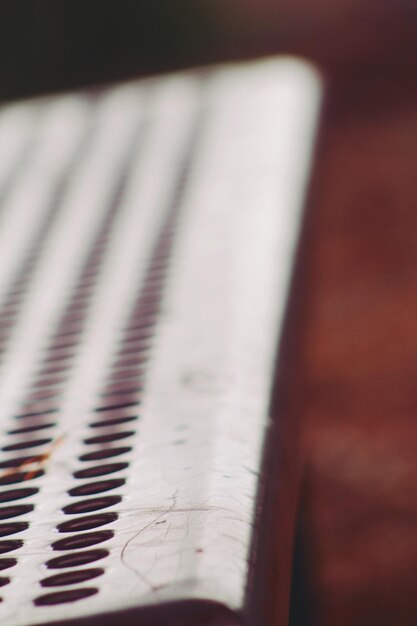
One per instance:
(52, 45)
(56, 44)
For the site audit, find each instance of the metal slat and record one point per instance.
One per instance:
(136, 380)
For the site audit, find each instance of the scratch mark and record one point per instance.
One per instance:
(140, 575)
(167, 530)
(182, 549)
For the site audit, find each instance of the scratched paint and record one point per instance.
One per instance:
(182, 513)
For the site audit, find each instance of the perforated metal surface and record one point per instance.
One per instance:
(146, 237)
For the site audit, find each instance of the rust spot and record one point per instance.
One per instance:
(38, 462)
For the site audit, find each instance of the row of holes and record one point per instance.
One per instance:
(118, 397)
(16, 294)
(120, 403)
(83, 523)
(8, 316)
(42, 401)
(138, 335)
(129, 365)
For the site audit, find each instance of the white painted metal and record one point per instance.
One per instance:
(186, 516)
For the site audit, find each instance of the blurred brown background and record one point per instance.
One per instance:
(356, 559)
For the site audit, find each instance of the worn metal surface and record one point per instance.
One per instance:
(147, 236)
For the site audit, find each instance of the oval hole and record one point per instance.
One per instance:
(128, 373)
(86, 523)
(62, 597)
(31, 429)
(6, 563)
(64, 345)
(75, 559)
(7, 512)
(109, 453)
(114, 407)
(20, 477)
(148, 321)
(17, 494)
(47, 371)
(12, 528)
(23, 445)
(100, 470)
(19, 461)
(49, 381)
(137, 350)
(37, 408)
(109, 438)
(139, 334)
(123, 363)
(83, 541)
(59, 356)
(121, 390)
(8, 546)
(99, 486)
(93, 504)
(42, 394)
(68, 330)
(145, 310)
(114, 422)
(4, 581)
(74, 317)
(72, 578)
